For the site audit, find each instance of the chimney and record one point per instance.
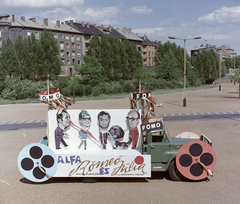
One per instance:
(71, 22)
(130, 30)
(94, 25)
(66, 22)
(145, 37)
(23, 18)
(33, 19)
(45, 21)
(58, 23)
(83, 25)
(13, 18)
(109, 28)
(124, 30)
(62, 23)
(88, 24)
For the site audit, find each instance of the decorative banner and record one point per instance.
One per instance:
(112, 163)
(152, 126)
(139, 95)
(52, 95)
(196, 160)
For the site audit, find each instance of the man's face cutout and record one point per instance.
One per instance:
(65, 119)
(85, 121)
(104, 121)
(132, 119)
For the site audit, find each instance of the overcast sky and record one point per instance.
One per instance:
(216, 21)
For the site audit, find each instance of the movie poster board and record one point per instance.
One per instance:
(98, 143)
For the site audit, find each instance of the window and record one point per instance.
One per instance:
(68, 61)
(0, 34)
(36, 35)
(16, 32)
(78, 46)
(29, 33)
(67, 37)
(12, 32)
(61, 37)
(68, 54)
(73, 38)
(62, 54)
(78, 38)
(0, 42)
(20, 32)
(157, 136)
(79, 54)
(67, 45)
(56, 36)
(62, 46)
(73, 55)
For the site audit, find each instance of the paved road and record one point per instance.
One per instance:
(40, 124)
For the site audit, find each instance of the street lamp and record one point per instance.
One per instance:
(196, 38)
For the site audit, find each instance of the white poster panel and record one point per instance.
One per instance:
(114, 164)
(94, 129)
(98, 143)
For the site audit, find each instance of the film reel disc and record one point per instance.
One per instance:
(37, 162)
(196, 159)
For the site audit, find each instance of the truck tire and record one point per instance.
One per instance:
(174, 173)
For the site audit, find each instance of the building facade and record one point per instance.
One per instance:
(224, 51)
(70, 40)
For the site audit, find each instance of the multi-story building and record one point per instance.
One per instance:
(69, 39)
(224, 51)
(148, 52)
(73, 38)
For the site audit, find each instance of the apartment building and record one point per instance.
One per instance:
(69, 39)
(148, 51)
(73, 38)
(224, 51)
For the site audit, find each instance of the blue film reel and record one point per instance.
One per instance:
(37, 162)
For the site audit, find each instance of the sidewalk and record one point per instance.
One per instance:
(206, 100)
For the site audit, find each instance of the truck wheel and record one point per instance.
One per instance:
(174, 173)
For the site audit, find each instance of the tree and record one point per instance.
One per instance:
(10, 63)
(236, 77)
(91, 71)
(51, 62)
(167, 69)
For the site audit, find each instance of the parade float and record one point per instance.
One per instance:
(113, 143)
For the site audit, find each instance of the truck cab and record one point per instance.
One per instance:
(162, 148)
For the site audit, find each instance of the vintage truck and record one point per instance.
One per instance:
(114, 143)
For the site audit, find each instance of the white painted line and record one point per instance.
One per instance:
(187, 113)
(217, 113)
(209, 113)
(202, 113)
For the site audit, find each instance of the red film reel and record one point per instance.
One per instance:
(196, 160)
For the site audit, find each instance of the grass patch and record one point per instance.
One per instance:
(109, 96)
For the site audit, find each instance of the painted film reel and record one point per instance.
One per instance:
(189, 157)
(37, 162)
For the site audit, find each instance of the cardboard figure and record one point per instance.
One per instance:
(85, 123)
(118, 135)
(63, 120)
(132, 121)
(103, 123)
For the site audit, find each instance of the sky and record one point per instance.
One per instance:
(217, 22)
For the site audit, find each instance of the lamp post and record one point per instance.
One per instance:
(184, 95)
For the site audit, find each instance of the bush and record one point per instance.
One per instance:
(96, 91)
(129, 87)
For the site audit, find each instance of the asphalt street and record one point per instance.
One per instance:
(40, 124)
(210, 112)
